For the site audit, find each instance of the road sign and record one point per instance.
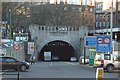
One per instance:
(106, 40)
(16, 46)
(103, 43)
(100, 40)
(90, 41)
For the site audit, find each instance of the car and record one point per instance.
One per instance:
(10, 63)
(109, 62)
(81, 60)
(73, 59)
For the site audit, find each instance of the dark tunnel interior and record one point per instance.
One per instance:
(58, 51)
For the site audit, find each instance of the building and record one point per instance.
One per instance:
(103, 20)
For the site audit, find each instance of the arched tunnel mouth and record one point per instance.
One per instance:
(57, 51)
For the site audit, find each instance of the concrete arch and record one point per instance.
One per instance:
(59, 49)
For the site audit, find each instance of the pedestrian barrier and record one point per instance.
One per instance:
(99, 74)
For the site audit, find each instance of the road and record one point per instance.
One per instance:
(61, 70)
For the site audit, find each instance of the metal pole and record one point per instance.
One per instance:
(10, 31)
(0, 23)
(84, 55)
(111, 25)
(94, 18)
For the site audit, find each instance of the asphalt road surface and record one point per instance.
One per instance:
(61, 70)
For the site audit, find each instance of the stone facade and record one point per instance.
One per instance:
(45, 34)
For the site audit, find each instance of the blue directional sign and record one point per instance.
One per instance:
(103, 43)
(90, 41)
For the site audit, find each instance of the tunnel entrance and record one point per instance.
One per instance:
(57, 51)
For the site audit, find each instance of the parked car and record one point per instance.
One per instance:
(10, 63)
(108, 61)
(81, 60)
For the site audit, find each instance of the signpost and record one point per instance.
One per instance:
(103, 43)
(89, 41)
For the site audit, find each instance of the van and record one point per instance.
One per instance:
(109, 62)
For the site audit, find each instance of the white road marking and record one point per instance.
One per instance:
(51, 64)
(72, 63)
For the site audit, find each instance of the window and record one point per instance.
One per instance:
(42, 28)
(96, 24)
(10, 60)
(104, 24)
(56, 28)
(98, 57)
(116, 58)
(39, 28)
(0, 59)
(100, 24)
(107, 57)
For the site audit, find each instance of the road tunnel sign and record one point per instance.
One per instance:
(103, 43)
(100, 40)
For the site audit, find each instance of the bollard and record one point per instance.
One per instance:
(99, 74)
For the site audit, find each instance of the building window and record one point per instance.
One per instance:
(100, 24)
(42, 28)
(96, 24)
(56, 28)
(108, 24)
(103, 24)
(39, 28)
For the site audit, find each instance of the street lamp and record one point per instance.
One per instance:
(10, 31)
(111, 24)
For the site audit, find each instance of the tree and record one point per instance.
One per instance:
(60, 14)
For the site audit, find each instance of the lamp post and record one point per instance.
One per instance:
(10, 31)
(111, 24)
